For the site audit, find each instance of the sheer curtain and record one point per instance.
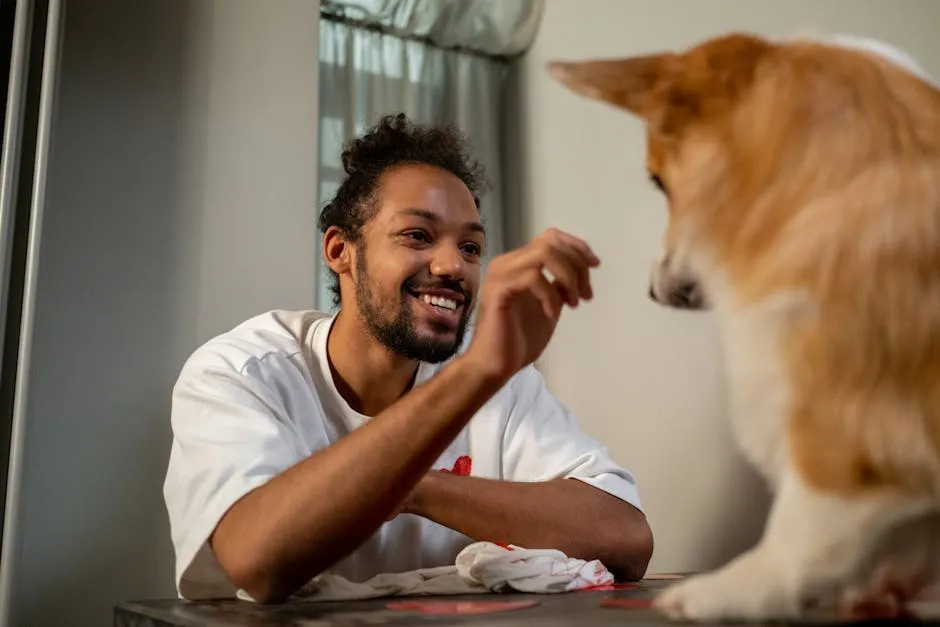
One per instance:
(438, 61)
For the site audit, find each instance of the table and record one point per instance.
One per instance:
(582, 609)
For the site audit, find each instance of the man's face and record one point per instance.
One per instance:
(417, 265)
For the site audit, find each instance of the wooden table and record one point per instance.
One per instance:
(581, 609)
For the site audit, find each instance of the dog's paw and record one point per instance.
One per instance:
(889, 594)
(742, 591)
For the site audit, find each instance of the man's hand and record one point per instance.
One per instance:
(520, 306)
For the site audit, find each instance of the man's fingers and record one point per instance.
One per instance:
(572, 267)
(583, 258)
(530, 282)
(565, 258)
(548, 295)
(591, 259)
(564, 271)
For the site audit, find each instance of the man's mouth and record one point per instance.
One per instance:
(440, 301)
(443, 306)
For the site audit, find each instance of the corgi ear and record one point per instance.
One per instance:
(626, 83)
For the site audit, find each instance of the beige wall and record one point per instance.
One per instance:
(649, 381)
(181, 199)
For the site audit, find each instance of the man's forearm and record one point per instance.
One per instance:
(299, 523)
(564, 514)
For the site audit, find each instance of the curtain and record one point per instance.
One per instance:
(438, 61)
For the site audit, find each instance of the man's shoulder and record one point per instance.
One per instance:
(272, 334)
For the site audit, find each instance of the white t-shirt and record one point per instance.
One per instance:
(260, 398)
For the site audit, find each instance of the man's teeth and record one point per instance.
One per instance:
(439, 301)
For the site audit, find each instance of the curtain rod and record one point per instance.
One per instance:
(339, 18)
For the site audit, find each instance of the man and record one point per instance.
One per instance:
(380, 439)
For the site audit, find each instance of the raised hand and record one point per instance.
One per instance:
(522, 298)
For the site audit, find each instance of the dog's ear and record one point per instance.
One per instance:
(626, 83)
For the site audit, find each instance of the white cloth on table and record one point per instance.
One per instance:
(480, 568)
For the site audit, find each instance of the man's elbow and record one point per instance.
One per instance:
(631, 549)
(637, 558)
(249, 577)
(264, 591)
(258, 578)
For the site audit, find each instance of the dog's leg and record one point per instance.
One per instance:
(904, 580)
(815, 549)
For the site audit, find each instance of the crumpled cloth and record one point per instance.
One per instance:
(480, 568)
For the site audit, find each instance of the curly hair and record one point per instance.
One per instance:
(394, 141)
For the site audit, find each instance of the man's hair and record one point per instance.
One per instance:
(393, 141)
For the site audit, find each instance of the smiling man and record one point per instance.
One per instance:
(387, 437)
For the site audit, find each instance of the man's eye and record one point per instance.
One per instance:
(472, 249)
(418, 235)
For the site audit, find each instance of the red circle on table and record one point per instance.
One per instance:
(460, 607)
(627, 603)
(607, 586)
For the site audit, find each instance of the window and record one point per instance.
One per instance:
(364, 75)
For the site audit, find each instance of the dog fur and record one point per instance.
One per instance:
(803, 181)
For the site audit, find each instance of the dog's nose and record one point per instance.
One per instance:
(652, 294)
(686, 295)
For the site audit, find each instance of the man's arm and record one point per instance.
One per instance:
(564, 514)
(278, 536)
(297, 524)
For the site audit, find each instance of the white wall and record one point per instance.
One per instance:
(649, 381)
(181, 200)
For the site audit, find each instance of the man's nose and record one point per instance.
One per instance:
(448, 261)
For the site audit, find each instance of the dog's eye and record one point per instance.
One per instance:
(658, 182)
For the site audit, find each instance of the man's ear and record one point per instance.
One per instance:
(625, 83)
(336, 250)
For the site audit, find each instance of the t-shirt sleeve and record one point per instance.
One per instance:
(542, 441)
(231, 434)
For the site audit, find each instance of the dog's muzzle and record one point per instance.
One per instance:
(681, 295)
(675, 290)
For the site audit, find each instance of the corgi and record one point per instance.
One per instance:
(802, 178)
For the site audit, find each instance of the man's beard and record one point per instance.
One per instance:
(399, 335)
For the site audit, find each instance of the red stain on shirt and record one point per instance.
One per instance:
(461, 467)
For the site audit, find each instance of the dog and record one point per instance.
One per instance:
(803, 182)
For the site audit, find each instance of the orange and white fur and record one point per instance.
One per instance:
(803, 184)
